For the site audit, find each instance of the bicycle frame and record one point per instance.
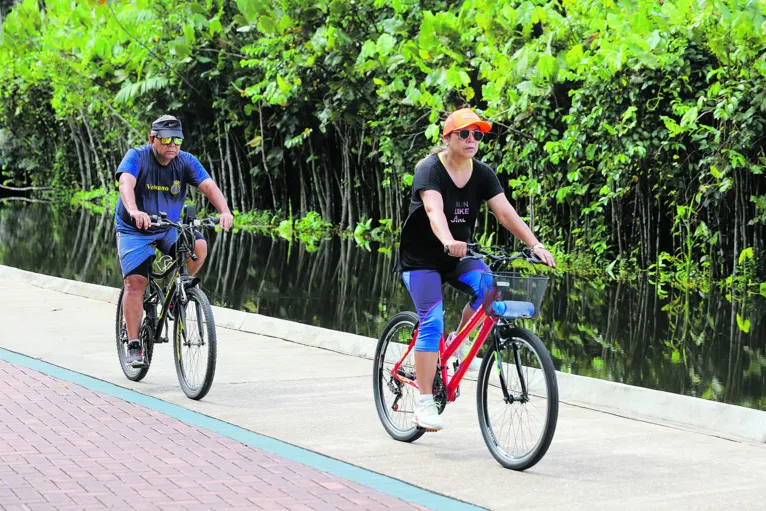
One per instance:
(176, 286)
(445, 352)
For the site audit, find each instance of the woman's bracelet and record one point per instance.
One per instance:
(536, 246)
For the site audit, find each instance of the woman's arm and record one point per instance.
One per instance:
(511, 220)
(434, 205)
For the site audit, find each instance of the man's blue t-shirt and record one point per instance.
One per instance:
(158, 188)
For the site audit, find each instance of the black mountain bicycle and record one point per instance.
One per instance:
(179, 300)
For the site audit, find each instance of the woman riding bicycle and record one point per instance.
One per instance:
(448, 189)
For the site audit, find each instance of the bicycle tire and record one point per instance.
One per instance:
(196, 392)
(132, 373)
(488, 366)
(380, 384)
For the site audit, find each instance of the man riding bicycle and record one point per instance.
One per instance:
(153, 179)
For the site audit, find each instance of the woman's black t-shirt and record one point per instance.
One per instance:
(419, 247)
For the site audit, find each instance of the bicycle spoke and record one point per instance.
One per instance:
(518, 426)
(193, 347)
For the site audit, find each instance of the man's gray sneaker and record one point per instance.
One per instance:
(135, 358)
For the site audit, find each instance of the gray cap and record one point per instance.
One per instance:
(167, 126)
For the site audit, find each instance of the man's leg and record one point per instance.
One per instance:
(133, 309)
(133, 303)
(136, 257)
(200, 250)
(169, 245)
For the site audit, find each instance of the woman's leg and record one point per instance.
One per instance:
(471, 277)
(425, 287)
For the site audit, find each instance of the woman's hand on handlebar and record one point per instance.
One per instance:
(456, 248)
(545, 256)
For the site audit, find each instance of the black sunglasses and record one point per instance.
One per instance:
(464, 134)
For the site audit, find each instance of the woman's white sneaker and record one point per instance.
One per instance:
(427, 416)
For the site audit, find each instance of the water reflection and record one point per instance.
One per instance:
(687, 344)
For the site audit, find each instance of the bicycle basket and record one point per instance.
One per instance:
(512, 295)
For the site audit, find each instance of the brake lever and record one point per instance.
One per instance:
(531, 257)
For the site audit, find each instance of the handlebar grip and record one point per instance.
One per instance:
(216, 221)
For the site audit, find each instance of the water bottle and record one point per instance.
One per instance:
(513, 309)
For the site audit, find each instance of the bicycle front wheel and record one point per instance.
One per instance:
(394, 399)
(194, 344)
(517, 398)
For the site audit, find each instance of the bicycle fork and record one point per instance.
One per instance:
(510, 398)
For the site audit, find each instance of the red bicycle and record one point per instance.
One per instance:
(517, 402)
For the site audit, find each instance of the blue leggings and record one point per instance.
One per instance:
(425, 287)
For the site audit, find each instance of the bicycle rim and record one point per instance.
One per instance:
(194, 345)
(519, 431)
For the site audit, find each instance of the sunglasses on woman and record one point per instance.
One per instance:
(166, 140)
(477, 135)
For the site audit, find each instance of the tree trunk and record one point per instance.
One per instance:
(99, 173)
(222, 160)
(84, 179)
(264, 159)
(232, 189)
(243, 200)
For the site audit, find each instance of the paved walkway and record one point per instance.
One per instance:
(66, 447)
(322, 401)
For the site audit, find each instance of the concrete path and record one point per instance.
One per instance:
(322, 401)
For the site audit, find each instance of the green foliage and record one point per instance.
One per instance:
(97, 199)
(628, 134)
(310, 230)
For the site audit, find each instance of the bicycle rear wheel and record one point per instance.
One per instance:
(394, 400)
(146, 333)
(195, 345)
(517, 428)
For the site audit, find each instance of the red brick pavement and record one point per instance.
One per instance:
(65, 447)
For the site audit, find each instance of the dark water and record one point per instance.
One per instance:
(687, 344)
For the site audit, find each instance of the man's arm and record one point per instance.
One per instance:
(128, 196)
(213, 193)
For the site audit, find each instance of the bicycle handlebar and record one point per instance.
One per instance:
(478, 252)
(158, 221)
